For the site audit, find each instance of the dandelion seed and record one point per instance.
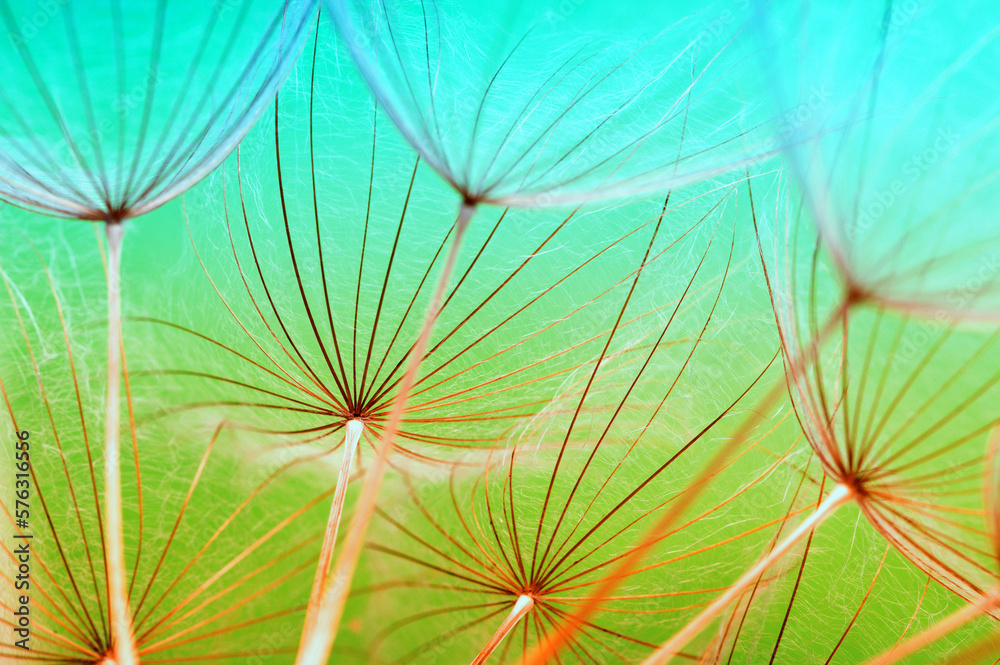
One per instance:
(202, 565)
(896, 162)
(591, 127)
(849, 374)
(529, 108)
(110, 114)
(988, 600)
(541, 535)
(326, 366)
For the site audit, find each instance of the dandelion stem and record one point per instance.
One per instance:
(940, 629)
(121, 625)
(318, 640)
(840, 495)
(351, 437)
(521, 608)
